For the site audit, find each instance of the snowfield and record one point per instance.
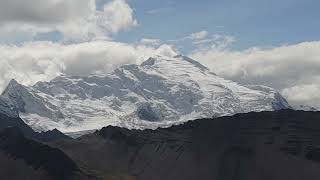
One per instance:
(158, 93)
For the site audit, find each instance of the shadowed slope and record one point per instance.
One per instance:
(265, 146)
(51, 161)
(6, 121)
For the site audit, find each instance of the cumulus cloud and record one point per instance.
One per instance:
(75, 19)
(44, 12)
(42, 61)
(304, 94)
(117, 15)
(167, 50)
(292, 69)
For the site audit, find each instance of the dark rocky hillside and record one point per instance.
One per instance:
(25, 154)
(264, 146)
(54, 135)
(23, 158)
(254, 146)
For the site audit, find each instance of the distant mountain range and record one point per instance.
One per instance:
(160, 92)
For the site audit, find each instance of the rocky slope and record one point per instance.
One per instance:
(158, 93)
(53, 135)
(265, 146)
(25, 154)
(22, 158)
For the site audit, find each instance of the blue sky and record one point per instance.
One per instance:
(252, 23)
(270, 42)
(260, 23)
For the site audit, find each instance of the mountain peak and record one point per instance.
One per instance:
(160, 92)
(196, 63)
(149, 62)
(7, 106)
(171, 62)
(13, 92)
(13, 86)
(13, 81)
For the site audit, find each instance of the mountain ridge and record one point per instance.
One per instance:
(257, 145)
(48, 163)
(160, 92)
(16, 122)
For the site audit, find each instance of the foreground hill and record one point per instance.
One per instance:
(266, 146)
(158, 93)
(22, 158)
(26, 155)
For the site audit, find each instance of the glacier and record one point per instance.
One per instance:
(160, 92)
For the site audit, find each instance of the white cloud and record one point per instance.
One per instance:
(117, 15)
(292, 69)
(303, 94)
(167, 50)
(215, 41)
(151, 42)
(42, 61)
(75, 19)
(289, 68)
(203, 40)
(199, 35)
(193, 36)
(44, 12)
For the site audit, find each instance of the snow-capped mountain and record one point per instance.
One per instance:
(160, 92)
